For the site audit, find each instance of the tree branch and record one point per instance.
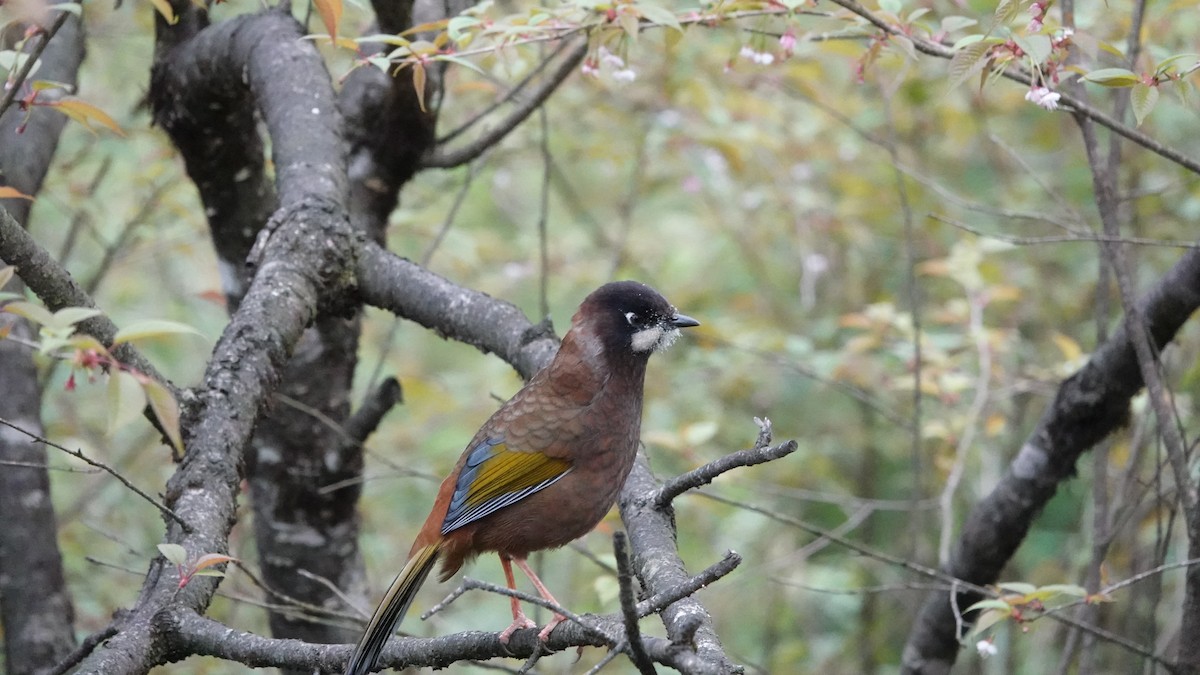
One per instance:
(1090, 404)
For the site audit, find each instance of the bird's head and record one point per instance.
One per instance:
(631, 319)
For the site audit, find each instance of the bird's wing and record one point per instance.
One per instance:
(495, 476)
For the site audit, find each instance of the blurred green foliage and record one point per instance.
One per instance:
(765, 200)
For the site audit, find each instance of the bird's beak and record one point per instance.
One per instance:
(683, 321)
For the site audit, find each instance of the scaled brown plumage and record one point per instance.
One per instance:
(547, 466)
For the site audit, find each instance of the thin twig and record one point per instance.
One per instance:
(14, 83)
(469, 584)
(633, 634)
(80, 652)
(78, 454)
(975, 305)
(706, 577)
(761, 452)
(45, 467)
(1066, 238)
(445, 160)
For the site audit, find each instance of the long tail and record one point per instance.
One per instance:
(392, 608)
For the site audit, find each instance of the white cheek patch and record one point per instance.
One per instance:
(646, 339)
(655, 338)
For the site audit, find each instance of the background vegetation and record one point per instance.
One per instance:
(821, 214)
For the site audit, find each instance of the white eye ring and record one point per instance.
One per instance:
(631, 317)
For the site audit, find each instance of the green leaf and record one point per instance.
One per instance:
(1036, 47)
(629, 23)
(1005, 12)
(1168, 62)
(992, 603)
(166, 409)
(455, 29)
(1019, 587)
(659, 15)
(69, 316)
(13, 60)
(893, 7)
(967, 40)
(174, 553)
(35, 313)
(905, 45)
(125, 400)
(378, 38)
(1064, 589)
(465, 63)
(151, 328)
(990, 618)
(208, 573)
(968, 61)
(1113, 77)
(953, 23)
(1143, 97)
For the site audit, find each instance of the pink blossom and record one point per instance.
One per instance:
(787, 42)
(611, 58)
(1043, 97)
(761, 58)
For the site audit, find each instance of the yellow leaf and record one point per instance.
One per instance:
(1070, 349)
(86, 114)
(164, 8)
(165, 409)
(12, 193)
(994, 425)
(125, 400)
(210, 559)
(419, 83)
(331, 14)
(428, 27)
(937, 268)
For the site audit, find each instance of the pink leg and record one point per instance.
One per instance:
(545, 593)
(520, 621)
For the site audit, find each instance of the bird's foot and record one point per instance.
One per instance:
(544, 634)
(520, 622)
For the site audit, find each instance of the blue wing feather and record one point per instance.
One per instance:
(465, 504)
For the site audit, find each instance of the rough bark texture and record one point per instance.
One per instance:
(304, 535)
(1089, 405)
(211, 86)
(35, 608)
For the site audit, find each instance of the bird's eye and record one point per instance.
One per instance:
(633, 318)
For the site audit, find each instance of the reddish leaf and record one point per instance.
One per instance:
(331, 14)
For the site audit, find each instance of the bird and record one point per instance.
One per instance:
(547, 466)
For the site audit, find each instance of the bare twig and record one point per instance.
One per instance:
(975, 303)
(81, 651)
(78, 454)
(762, 452)
(633, 634)
(445, 160)
(1065, 238)
(14, 83)
(708, 576)
(469, 584)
